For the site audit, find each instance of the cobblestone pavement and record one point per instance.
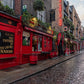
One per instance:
(69, 72)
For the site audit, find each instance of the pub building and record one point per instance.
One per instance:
(22, 44)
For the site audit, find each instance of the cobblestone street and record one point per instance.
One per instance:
(69, 72)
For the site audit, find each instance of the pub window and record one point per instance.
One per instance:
(45, 41)
(34, 43)
(26, 38)
(54, 46)
(6, 42)
(40, 44)
(48, 40)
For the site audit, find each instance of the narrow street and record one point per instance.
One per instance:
(69, 72)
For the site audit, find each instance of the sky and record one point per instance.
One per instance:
(79, 6)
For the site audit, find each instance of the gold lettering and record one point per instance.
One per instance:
(1, 51)
(1, 48)
(11, 38)
(11, 44)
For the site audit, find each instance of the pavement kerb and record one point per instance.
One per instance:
(69, 57)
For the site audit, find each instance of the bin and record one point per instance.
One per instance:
(33, 59)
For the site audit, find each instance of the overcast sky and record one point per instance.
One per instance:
(79, 5)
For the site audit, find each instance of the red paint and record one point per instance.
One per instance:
(59, 38)
(33, 59)
(7, 60)
(60, 1)
(62, 39)
(60, 13)
(23, 54)
(60, 22)
(53, 54)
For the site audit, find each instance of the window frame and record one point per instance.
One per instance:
(30, 39)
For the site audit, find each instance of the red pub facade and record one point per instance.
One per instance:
(20, 45)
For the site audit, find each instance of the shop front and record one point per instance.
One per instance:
(9, 42)
(36, 45)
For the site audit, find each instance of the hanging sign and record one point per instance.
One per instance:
(60, 12)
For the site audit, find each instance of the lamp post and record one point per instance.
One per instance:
(79, 41)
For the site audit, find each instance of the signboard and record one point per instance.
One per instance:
(60, 12)
(6, 42)
(24, 8)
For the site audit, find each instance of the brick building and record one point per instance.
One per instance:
(14, 4)
(54, 12)
(71, 13)
(77, 24)
(50, 13)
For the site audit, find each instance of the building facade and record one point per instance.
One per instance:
(71, 13)
(14, 4)
(10, 3)
(54, 12)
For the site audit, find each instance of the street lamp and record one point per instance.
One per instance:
(71, 42)
(79, 41)
(66, 39)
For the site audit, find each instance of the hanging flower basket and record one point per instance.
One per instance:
(38, 5)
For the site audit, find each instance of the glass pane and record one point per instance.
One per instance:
(26, 38)
(40, 44)
(6, 42)
(34, 43)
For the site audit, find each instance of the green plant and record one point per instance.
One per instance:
(54, 32)
(38, 5)
(9, 10)
(42, 24)
(2, 8)
(68, 23)
(46, 25)
(6, 9)
(26, 18)
(82, 38)
(69, 35)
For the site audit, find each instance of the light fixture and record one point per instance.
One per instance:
(66, 39)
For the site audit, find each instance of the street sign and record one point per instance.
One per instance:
(24, 8)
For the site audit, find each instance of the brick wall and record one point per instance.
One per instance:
(17, 7)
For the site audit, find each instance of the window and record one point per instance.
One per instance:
(54, 45)
(40, 43)
(8, 2)
(41, 16)
(37, 42)
(34, 43)
(6, 42)
(26, 38)
(45, 41)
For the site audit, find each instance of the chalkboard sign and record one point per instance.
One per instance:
(6, 42)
